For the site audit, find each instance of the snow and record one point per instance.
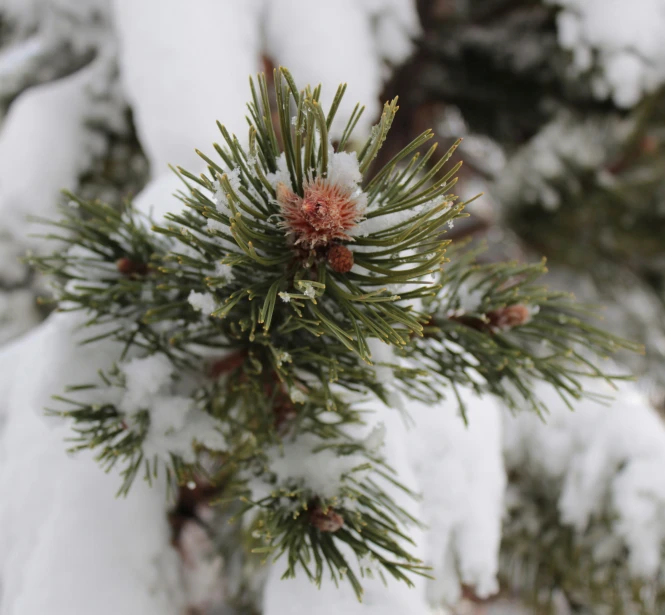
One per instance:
(308, 290)
(374, 31)
(383, 357)
(158, 198)
(18, 313)
(389, 220)
(609, 460)
(281, 176)
(45, 145)
(459, 473)
(175, 421)
(31, 12)
(224, 272)
(317, 54)
(177, 75)
(81, 23)
(300, 596)
(24, 64)
(396, 24)
(144, 377)
(343, 170)
(536, 173)
(202, 567)
(627, 38)
(322, 471)
(462, 480)
(297, 396)
(203, 302)
(64, 531)
(461, 298)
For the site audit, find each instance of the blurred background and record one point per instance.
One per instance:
(562, 109)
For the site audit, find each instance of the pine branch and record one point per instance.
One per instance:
(250, 319)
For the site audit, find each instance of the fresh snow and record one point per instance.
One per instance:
(203, 302)
(81, 23)
(221, 199)
(625, 36)
(158, 198)
(68, 545)
(321, 471)
(609, 460)
(462, 480)
(347, 44)
(45, 144)
(535, 174)
(175, 421)
(389, 220)
(175, 67)
(343, 170)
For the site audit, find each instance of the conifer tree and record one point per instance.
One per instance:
(270, 327)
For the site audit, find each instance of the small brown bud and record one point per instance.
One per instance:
(326, 520)
(340, 258)
(126, 266)
(509, 317)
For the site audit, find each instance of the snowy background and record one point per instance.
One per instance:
(98, 97)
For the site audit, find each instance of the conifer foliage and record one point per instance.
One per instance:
(299, 289)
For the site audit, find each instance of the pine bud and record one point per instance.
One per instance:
(509, 317)
(326, 520)
(126, 266)
(323, 214)
(340, 258)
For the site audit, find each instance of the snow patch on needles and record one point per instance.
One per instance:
(321, 471)
(462, 480)
(175, 421)
(203, 302)
(143, 379)
(343, 170)
(627, 39)
(281, 176)
(221, 197)
(540, 172)
(222, 276)
(384, 221)
(297, 396)
(608, 459)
